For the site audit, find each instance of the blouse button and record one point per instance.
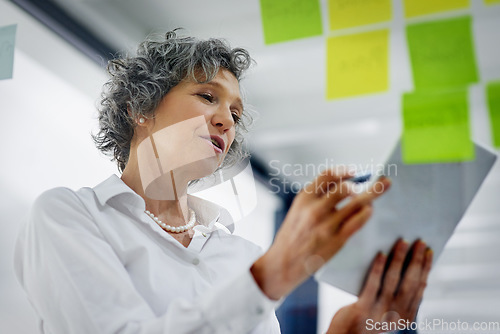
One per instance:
(195, 261)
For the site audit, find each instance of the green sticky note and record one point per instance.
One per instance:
(285, 20)
(348, 13)
(357, 64)
(491, 2)
(436, 127)
(7, 43)
(442, 53)
(493, 98)
(422, 7)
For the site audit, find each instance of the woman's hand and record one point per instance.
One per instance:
(313, 231)
(390, 296)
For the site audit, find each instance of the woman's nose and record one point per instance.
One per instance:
(222, 119)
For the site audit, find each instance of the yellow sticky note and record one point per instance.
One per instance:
(357, 64)
(349, 13)
(423, 7)
(491, 2)
(285, 20)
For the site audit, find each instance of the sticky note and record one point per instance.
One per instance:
(493, 98)
(285, 20)
(357, 64)
(442, 53)
(491, 2)
(436, 127)
(349, 13)
(7, 43)
(422, 7)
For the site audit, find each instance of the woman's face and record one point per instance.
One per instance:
(193, 128)
(218, 101)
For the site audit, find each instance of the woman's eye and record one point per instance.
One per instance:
(207, 97)
(236, 118)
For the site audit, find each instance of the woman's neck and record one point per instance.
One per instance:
(171, 206)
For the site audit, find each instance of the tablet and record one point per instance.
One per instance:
(425, 201)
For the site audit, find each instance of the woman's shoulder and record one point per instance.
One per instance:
(57, 198)
(60, 206)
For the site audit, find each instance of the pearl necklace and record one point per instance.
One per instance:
(174, 229)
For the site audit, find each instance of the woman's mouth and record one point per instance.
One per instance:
(216, 142)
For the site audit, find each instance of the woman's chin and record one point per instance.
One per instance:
(206, 167)
(201, 168)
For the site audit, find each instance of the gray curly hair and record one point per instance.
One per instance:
(138, 84)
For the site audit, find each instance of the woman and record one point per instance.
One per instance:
(137, 254)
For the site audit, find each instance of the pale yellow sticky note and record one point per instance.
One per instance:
(422, 7)
(357, 64)
(491, 2)
(349, 13)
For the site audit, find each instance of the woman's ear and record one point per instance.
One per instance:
(139, 119)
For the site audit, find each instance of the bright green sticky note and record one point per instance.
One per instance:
(493, 97)
(442, 53)
(423, 7)
(285, 20)
(357, 64)
(7, 42)
(349, 13)
(491, 2)
(436, 127)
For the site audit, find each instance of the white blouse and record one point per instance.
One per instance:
(92, 261)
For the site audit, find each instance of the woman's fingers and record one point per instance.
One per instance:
(370, 305)
(331, 190)
(346, 221)
(412, 277)
(423, 282)
(363, 199)
(372, 284)
(393, 272)
(331, 239)
(336, 193)
(324, 181)
(346, 229)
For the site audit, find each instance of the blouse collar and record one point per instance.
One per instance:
(208, 214)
